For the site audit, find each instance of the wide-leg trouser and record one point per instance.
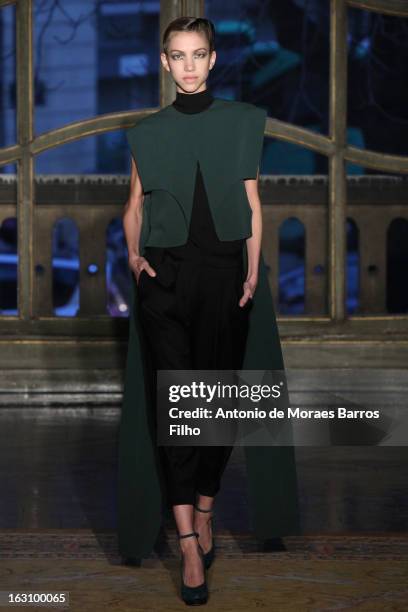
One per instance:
(191, 319)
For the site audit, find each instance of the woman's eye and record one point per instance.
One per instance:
(176, 57)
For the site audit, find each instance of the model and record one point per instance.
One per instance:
(200, 300)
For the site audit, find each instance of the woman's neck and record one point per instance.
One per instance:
(193, 103)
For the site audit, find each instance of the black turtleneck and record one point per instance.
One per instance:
(202, 232)
(193, 103)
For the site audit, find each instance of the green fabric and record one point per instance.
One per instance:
(166, 147)
(271, 471)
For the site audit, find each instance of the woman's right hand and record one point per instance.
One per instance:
(138, 263)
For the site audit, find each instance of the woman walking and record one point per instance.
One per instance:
(193, 227)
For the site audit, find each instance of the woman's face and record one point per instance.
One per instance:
(188, 60)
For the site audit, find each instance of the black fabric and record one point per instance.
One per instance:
(193, 322)
(193, 103)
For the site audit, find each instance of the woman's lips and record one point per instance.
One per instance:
(189, 78)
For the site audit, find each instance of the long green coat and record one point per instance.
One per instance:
(227, 141)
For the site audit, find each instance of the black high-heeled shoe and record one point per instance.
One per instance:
(210, 555)
(198, 595)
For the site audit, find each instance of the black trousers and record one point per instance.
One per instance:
(191, 319)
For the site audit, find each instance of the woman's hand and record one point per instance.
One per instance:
(249, 289)
(137, 263)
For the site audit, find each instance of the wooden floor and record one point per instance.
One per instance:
(59, 468)
(314, 573)
(58, 520)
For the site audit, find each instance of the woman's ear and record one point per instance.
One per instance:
(165, 63)
(212, 59)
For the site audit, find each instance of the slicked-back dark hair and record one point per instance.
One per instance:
(190, 24)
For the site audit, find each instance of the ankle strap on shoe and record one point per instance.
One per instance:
(188, 535)
(202, 510)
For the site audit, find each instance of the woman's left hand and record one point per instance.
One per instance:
(249, 290)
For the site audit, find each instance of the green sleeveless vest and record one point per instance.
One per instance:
(226, 139)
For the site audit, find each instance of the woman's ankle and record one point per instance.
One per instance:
(188, 544)
(204, 502)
